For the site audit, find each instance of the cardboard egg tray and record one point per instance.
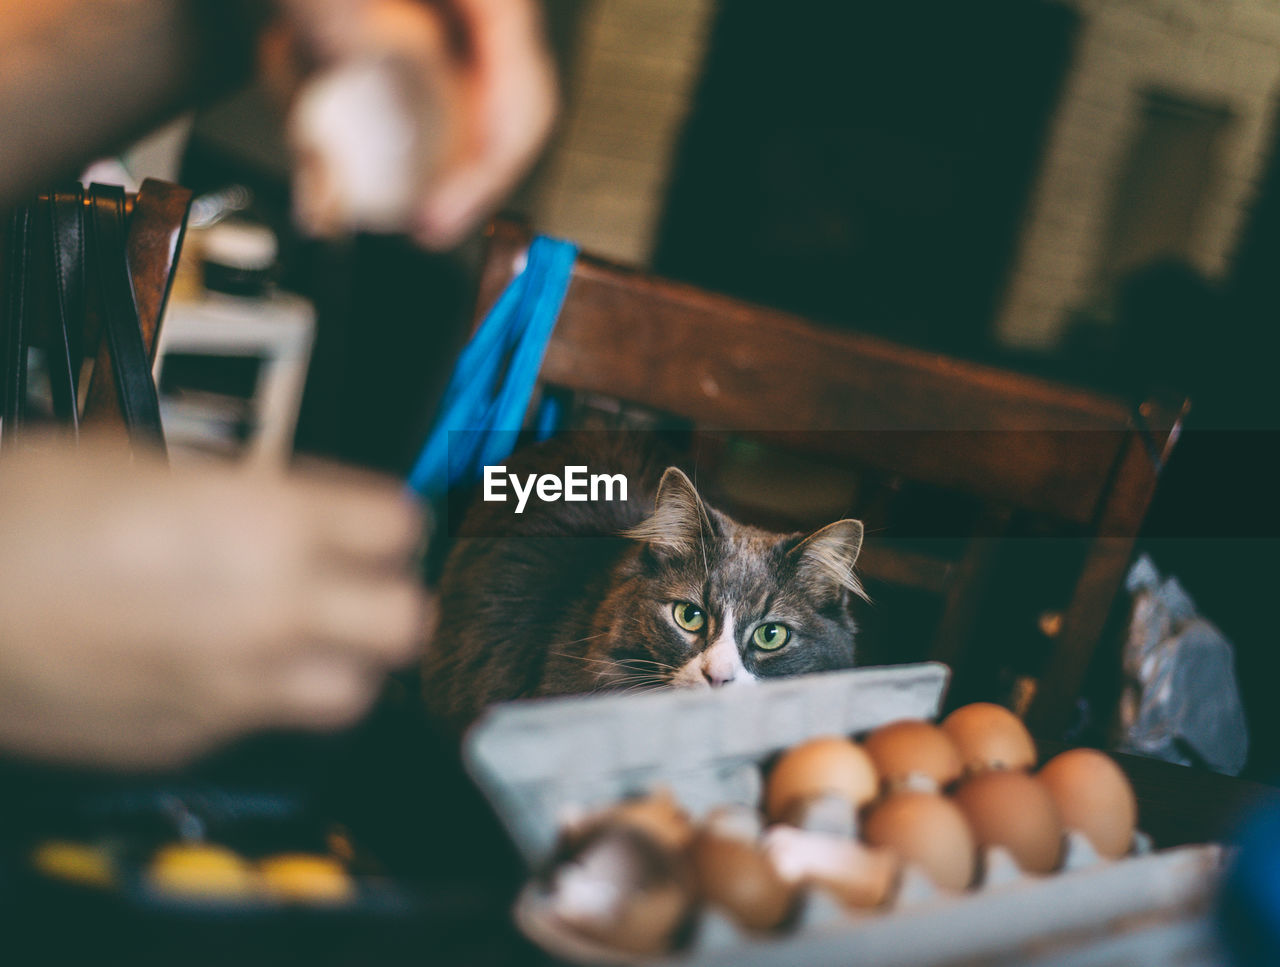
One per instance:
(545, 763)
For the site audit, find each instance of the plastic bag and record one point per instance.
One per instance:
(1181, 701)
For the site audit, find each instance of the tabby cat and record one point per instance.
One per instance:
(659, 590)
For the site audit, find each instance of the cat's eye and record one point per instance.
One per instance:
(689, 616)
(771, 636)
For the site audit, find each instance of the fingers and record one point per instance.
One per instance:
(358, 631)
(323, 692)
(325, 25)
(355, 590)
(361, 609)
(362, 523)
(383, 621)
(335, 517)
(482, 104)
(510, 101)
(149, 615)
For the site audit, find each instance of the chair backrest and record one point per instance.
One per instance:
(87, 274)
(157, 224)
(1011, 442)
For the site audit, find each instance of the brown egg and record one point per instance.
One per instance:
(929, 830)
(831, 765)
(620, 886)
(1014, 810)
(990, 737)
(1093, 797)
(657, 815)
(735, 875)
(857, 875)
(912, 752)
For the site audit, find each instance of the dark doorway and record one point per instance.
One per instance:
(866, 164)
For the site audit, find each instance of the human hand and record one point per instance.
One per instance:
(407, 115)
(147, 616)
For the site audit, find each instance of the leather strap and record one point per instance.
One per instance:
(13, 405)
(135, 388)
(66, 326)
(58, 261)
(156, 226)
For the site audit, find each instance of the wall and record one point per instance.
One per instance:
(634, 68)
(1219, 53)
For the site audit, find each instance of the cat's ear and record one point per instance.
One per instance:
(826, 557)
(679, 522)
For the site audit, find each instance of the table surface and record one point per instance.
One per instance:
(433, 820)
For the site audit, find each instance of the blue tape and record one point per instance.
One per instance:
(484, 405)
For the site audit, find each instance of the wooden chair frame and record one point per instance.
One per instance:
(1082, 458)
(157, 225)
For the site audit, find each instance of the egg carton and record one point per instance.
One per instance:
(1010, 917)
(546, 763)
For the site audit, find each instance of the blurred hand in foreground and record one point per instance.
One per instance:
(407, 115)
(147, 616)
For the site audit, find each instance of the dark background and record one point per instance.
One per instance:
(869, 166)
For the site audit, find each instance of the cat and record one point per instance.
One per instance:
(658, 590)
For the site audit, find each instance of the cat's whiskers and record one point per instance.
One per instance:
(629, 684)
(585, 659)
(702, 532)
(622, 663)
(640, 687)
(611, 675)
(643, 673)
(575, 641)
(702, 540)
(634, 672)
(638, 679)
(647, 661)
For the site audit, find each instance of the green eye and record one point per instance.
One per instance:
(771, 637)
(689, 616)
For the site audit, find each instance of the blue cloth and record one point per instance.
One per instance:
(487, 397)
(1249, 900)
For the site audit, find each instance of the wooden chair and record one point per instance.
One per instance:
(1017, 446)
(157, 224)
(39, 290)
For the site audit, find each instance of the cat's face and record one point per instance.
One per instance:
(707, 602)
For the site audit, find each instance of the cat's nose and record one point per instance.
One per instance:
(716, 677)
(721, 662)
